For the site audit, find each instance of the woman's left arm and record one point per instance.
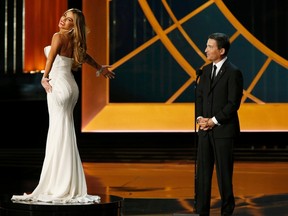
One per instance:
(101, 69)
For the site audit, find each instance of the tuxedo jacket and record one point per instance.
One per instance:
(221, 99)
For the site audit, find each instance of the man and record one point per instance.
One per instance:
(218, 100)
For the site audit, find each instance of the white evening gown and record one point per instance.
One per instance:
(62, 178)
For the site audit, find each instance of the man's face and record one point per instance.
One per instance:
(212, 52)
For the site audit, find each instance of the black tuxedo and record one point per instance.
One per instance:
(220, 99)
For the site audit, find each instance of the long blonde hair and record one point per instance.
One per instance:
(79, 38)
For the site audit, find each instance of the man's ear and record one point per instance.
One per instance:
(222, 51)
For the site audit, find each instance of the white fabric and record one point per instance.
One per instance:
(62, 178)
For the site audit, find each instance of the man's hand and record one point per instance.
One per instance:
(205, 123)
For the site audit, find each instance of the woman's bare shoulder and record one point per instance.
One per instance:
(56, 43)
(57, 36)
(57, 39)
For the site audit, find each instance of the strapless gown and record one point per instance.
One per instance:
(62, 178)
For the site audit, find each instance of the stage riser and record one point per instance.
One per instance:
(109, 206)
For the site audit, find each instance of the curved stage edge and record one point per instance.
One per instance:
(109, 206)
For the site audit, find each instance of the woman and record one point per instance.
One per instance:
(62, 177)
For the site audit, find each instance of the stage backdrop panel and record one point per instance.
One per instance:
(155, 74)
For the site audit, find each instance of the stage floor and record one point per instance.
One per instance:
(167, 189)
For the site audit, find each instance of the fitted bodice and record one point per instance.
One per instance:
(61, 66)
(60, 61)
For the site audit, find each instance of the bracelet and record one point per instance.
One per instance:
(98, 72)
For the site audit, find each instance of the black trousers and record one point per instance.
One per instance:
(218, 152)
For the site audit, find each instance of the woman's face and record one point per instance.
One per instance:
(66, 21)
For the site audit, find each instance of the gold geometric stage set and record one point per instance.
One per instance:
(171, 116)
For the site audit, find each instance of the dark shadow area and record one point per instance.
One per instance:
(262, 205)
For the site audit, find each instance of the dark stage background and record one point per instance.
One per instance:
(23, 108)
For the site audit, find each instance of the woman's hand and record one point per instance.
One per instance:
(46, 85)
(106, 72)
